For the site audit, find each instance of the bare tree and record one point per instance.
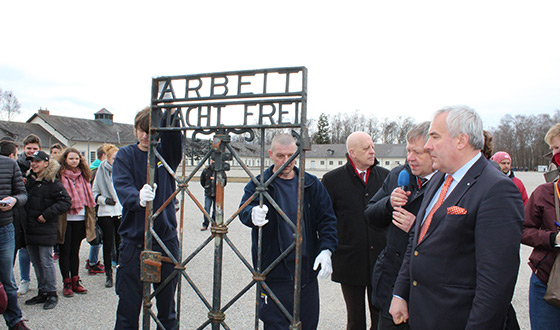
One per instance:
(9, 105)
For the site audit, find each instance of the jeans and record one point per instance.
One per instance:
(24, 264)
(12, 315)
(44, 267)
(94, 254)
(209, 201)
(542, 315)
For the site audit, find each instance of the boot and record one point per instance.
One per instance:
(108, 279)
(40, 298)
(52, 300)
(67, 289)
(77, 285)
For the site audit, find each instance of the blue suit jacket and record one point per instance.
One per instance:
(463, 273)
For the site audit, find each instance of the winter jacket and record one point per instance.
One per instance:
(540, 230)
(520, 186)
(319, 224)
(379, 213)
(208, 181)
(46, 197)
(11, 184)
(358, 244)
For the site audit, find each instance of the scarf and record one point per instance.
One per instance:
(78, 189)
(104, 180)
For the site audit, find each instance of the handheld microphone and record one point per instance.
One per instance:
(404, 180)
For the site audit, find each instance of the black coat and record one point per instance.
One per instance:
(47, 197)
(358, 243)
(11, 184)
(379, 213)
(208, 181)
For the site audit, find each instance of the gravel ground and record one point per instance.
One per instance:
(96, 310)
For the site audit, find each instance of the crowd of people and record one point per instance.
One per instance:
(454, 268)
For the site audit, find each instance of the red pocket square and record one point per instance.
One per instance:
(456, 210)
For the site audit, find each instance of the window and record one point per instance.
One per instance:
(312, 164)
(387, 163)
(322, 162)
(339, 162)
(330, 162)
(92, 156)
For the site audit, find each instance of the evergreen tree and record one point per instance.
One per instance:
(323, 135)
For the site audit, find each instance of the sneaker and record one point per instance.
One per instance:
(51, 302)
(38, 299)
(77, 285)
(98, 268)
(19, 326)
(23, 287)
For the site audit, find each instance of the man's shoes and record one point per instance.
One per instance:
(38, 299)
(98, 268)
(51, 302)
(23, 287)
(19, 326)
(77, 285)
(204, 228)
(67, 289)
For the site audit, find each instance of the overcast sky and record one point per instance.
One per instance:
(386, 58)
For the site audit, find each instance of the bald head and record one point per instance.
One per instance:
(360, 150)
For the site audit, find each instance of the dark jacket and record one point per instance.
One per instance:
(462, 274)
(130, 175)
(47, 197)
(539, 230)
(379, 213)
(19, 211)
(358, 243)
(208, 181)
(319, 223)
(11, 184)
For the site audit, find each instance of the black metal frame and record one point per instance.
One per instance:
(165, 97)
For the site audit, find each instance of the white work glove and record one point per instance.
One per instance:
(324, 259)
(258, 215)
(147, 194)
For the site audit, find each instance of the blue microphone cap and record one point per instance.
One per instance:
(404, 179)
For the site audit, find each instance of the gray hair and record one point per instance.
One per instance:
(421, 130)
(464, 120)
(284, 139)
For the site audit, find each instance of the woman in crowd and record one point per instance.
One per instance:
(109, 211)
(540, 230)
(79, 222)
(46, 200)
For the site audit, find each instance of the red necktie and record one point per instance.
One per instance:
(440, 199)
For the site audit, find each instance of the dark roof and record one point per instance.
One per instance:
(327, 150)
(18, 131)
(84, 130)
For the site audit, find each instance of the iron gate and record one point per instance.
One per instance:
(225, 104)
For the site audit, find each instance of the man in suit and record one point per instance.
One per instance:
(462, 262)
(350, 187)
(394, 208)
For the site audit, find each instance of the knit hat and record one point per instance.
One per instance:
(499, 156)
